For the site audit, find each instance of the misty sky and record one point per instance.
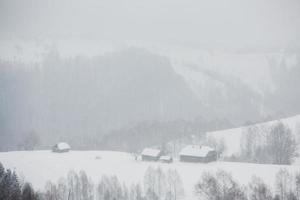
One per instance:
(236, 60)
(193, 23)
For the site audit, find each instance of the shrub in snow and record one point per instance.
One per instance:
(258, 190)
(219, 186)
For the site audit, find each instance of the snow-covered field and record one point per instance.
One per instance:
(232, 137)
(39, 166)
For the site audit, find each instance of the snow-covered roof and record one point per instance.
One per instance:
(195, 151)
(167, 158)
(63, 146)
(151, 152)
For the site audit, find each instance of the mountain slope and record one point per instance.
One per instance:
(232, 137)
(69, 98)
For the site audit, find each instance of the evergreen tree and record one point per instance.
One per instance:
(10, 188)
(5, 185)
(28, 192)
(2, 174)
(15, 188)
(2, 171)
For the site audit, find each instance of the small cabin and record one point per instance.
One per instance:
(166, 159)
(61, 147)
(149, 154)
(197, 153)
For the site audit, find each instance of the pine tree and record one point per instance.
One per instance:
(15, 189)
(28, 192)
(2, 171)
(5, 185)
(10, 188)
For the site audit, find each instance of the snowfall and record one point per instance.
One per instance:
(38, 167)
(232, 137)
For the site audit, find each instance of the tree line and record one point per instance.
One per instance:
(157, 185)
(274, 145)
(264, 144)
(12, 189)
(222, 186)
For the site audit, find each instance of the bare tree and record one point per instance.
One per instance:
(74, 185)
(218, 145)
(63, 190)
(208, 188)
(51, 191)
(87, 188)
(281, 144)
(283, 184)
(275, 145)
(154, 183)
(174, 189)
(258, 190)
(149, 182)
(136, 192)
(297, 185)
(249, 142)
(220, 186)
(109, 188)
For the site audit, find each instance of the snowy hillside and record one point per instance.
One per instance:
(40, 166)
(232, 137)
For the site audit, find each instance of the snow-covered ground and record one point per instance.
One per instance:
(39, 166)
(232, 137)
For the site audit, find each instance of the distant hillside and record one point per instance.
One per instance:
(244, 86)
(232, 137)
(66, 98)
(63, 98)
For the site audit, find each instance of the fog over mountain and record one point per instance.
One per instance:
(83, 69)
(149, 99)
(70, 97)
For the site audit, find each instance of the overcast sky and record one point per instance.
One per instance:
(212, 23)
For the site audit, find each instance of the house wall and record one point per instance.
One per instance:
(149, 158)
(59, 150)
(209, 158)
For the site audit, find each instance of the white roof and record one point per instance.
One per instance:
(196, 151)
(151, 152)
(63, 146)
